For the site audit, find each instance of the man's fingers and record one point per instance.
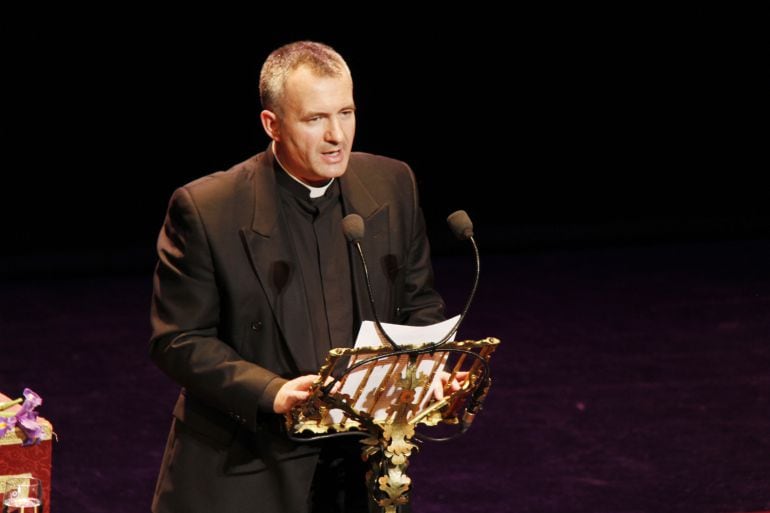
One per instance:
(304, 382)
(442, 382)
(293, 392)
(438, 391)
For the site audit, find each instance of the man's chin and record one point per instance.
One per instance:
(335, 171)
(323, 175)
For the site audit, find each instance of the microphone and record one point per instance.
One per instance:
(460, 224)
(462, 227)
(353, 227)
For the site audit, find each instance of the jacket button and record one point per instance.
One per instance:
(256, 325)
(236, 417)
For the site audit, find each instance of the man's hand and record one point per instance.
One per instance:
(293, 392)
(441, 382)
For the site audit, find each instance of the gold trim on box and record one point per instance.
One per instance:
(9, 477)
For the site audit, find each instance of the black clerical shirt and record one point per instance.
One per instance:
(321, 253)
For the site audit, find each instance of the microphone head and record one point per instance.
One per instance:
(353, 227)
(460, 224)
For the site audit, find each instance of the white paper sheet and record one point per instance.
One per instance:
(389, 371)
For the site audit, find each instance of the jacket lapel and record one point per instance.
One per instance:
(376, 245)
(269, 251)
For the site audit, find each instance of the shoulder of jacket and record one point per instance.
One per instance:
(232, 186)
(225, 178)
(380, 169)
(370, 159)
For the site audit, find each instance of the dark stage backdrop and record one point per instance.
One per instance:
(629, 379)
(550, 129)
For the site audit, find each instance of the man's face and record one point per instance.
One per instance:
(314, 132)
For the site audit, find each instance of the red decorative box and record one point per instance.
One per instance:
(32, 460)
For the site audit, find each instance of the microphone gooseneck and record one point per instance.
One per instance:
(462, 227)
(353, 227)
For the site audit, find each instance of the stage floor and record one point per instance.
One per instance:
(629, 380)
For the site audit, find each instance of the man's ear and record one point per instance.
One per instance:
(271, 124)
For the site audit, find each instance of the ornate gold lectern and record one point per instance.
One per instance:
(391, 396)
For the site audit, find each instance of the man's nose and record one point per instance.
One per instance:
(334, 132)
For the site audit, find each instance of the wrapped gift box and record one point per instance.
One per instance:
(31, 460)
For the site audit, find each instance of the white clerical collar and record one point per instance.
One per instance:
(315, 192)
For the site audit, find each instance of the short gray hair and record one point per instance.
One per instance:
(322, 60)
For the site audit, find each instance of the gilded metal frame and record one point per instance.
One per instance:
(388, 442)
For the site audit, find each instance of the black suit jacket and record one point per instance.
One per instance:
(227, 321)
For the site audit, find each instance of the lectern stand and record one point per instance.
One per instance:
(384, 395)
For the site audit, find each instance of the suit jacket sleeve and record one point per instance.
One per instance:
(420, 303)
(185, 316)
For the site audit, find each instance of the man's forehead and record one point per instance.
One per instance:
(307, 72)
(315, 91)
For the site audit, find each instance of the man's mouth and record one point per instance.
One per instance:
(332, 157)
